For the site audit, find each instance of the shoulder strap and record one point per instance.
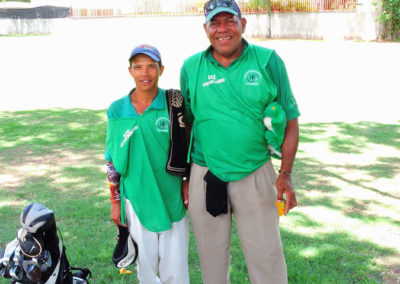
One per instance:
(263, 55)
(192, 67)
(174, 99)
(176, 163)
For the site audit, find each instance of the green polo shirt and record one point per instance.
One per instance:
(138, 146)
(226, 107)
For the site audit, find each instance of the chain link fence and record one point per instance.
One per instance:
(116, 8)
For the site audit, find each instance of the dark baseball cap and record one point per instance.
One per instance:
(214, 7)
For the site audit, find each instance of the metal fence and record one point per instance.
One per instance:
(105, 8)
(312, 5)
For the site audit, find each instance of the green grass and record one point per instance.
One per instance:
(347, 177)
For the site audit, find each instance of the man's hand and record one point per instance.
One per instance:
(116, 213)
(284, 186)
(185, 193)
(289, 149)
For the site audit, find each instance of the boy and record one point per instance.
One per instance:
(146, 167)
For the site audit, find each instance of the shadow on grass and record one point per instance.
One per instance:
(48, 131)
(335, 257)
(316, 175)
(345, 259)
(76, 190)
(351, 137)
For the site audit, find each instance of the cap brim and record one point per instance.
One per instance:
(220, 10)
(155, 58)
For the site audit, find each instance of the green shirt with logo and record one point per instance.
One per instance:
(138, 146)
(226, 108)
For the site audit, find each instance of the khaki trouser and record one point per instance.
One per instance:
(252, 201)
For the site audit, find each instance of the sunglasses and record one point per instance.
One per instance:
(213, 4)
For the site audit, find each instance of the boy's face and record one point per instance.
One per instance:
(145, 71)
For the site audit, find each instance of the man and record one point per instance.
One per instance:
(145, 153)
(226, 89)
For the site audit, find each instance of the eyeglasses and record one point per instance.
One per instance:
(213, 4)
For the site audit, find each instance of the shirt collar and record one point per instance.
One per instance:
(158, 102)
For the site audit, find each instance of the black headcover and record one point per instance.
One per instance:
(126, 250)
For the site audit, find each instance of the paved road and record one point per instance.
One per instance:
(332, 80)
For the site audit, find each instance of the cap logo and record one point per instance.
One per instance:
(144, 46)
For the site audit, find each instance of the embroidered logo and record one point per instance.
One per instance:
(162, 124)
(181, 120)
(128, 133)
(212, 79)
(252, 77)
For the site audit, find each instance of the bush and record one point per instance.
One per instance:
(390, 18)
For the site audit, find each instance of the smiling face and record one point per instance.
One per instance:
(145, 71)
(225, 31)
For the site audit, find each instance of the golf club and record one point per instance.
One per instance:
(44, 260)
(16, 272)
(33, 273)
(2, 269)
(17, 255)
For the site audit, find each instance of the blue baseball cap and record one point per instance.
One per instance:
(148, 50)
(214, 7)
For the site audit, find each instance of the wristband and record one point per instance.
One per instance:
(285, 173)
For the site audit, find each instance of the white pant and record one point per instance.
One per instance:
(164, 252)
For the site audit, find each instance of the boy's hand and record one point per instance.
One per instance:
(116, 213)
(185, 193)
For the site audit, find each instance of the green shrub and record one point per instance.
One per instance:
(390, 18)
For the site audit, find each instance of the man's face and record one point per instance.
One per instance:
(145, 71)
(225, 31)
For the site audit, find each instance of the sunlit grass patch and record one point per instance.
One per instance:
(347, 178)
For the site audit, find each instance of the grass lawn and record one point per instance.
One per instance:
(346, 228)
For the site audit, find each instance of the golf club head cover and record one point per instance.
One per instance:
(31, 245)
(36, 218)
(126, 250)
(216, 195)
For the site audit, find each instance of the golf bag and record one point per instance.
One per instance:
(38, 255)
